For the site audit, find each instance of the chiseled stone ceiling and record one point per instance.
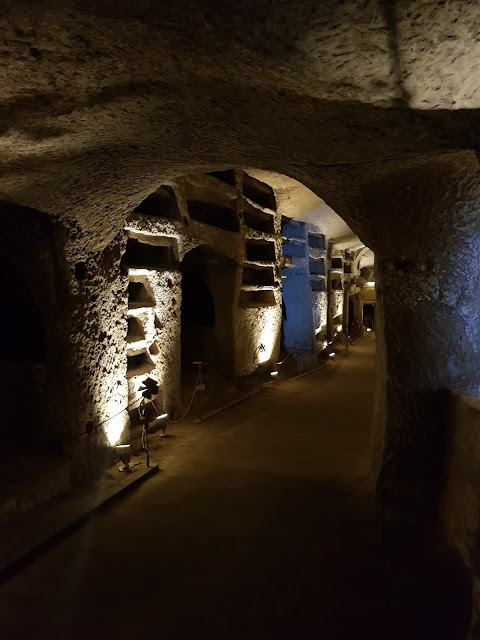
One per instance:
(102, 101)
(296, 201)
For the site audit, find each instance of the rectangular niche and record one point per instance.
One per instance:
(262, 298)
(138, 296)
(258, 275)
(259, 192)
(257, 219)
(317, 266)
(147, 256)
(215, 215)
(318, 284)
(337, 263)
(162, 204)
(295, 249)
(228, 176)
(135, 328)
(294, 229)
(260, 251)
(139, 364)
(316, 241)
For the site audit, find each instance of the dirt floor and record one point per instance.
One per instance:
(261, 524)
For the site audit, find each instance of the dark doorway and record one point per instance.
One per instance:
(350, 316)
(22, 363)
(369, 316)
(208, 284)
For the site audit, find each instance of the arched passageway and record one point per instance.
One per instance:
(207, 325)
(23, 365)
(388, 138)
(369, 316)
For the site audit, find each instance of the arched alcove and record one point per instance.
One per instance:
(208, 280)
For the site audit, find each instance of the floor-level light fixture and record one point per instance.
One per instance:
(162, 421)
(123, 452)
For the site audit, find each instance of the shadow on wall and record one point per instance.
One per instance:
(208, 286)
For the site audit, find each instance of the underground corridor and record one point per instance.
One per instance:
(261, 523)
(240, 274)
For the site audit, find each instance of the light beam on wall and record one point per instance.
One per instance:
(117, 418)
(268, 330)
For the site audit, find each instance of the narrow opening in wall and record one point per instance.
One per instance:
(337, 263)
(139, 364)
(293, 229)
(262, 298)
(260, 251)
(227, 176)
(259, 192)
(135, 329)
(257, 219)
(295, 249)
(258, 276)
(316, 241)
(318, 284)
(214, 215)
(147, 256)
(368, 313)
(162, 203)
(138, 296)
(317, 266)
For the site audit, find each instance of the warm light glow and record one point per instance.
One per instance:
(325, 344)
(339, 328)
(164, 416)
(370, 284)
(114, 410)
(269, 321)
(114, 428)
(368, 329)
(274, 373)
(122, 446)
(331, 355)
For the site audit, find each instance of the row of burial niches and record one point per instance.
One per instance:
(305, 295)
(185, 312)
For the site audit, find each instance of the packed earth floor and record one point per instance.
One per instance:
(260, 524)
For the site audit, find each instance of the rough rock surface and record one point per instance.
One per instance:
(101, 102)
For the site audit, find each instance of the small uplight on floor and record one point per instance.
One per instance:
(339, 328)
(368, 329)
(162, 421)
(331, 355)
(123, 452)
(274, 375)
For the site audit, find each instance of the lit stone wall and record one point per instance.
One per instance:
(205, 211)
(95, 387)
(320, 310)
(337, 278)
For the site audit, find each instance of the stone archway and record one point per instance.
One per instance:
(207, 325)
